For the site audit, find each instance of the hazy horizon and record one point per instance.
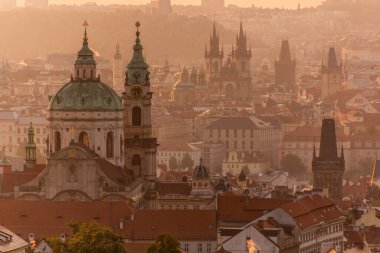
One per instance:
(244, 3)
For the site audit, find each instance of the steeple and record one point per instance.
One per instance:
(241, 44)
(214, 51)
(137, 69)
(30, 148)
(85, 65)
(332, 61)
(117, 55)
(285, 51)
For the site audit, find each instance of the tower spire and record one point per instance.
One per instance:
(85, 65)
(30, 147)
(137, 68)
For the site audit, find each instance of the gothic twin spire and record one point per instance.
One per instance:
(241, 49)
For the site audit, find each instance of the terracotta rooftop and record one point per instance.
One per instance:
(242, 208)
(312, 210)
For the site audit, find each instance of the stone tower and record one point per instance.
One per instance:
(214, 56)
(332, 75)
(242, 55)
(117, 72)
(30, 148)
(140, 145)
(328, 167)
(285, 68)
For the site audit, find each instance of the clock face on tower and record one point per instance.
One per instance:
(137, 75)
(136, 91)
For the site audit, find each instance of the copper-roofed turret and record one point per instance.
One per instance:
(137, 69)
(85, 65)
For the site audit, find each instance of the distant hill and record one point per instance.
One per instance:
(31, 33)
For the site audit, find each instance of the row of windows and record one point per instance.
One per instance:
(200, 248)
(180, 207)
(25, 130)
(234, 133)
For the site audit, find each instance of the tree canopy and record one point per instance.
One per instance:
(187, 162)
(293, 165)
(165, 243)
(89, 238)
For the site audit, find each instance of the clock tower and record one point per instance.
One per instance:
(140, 146)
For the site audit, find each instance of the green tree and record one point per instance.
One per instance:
(187, 162)
(94, 238)
(173, 164)
(57, 244)
(293, 165)
(165, 243)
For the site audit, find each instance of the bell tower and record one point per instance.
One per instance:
(140, 145)
(332, 75)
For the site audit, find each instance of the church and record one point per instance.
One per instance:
(100, 145)
(230, 77)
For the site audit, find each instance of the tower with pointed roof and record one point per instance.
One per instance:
(140, 145)
(242, 54)
(328, 167)
(285, 68)
(230, 77)
(30, 148)
(214, 56)
(117, 70)
(332, 75)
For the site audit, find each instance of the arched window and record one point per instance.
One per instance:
(136, 116)
(92, 73)
(84, 74)
(77, 73)
(83, 138)
(57, 141)
(109, 147)
(136, 164)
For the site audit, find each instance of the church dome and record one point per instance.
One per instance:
(184, 82)
(85, 92)
(201, 172)
(85, 96)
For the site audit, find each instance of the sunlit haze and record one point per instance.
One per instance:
(244, 3)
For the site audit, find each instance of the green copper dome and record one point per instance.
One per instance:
(85, 96)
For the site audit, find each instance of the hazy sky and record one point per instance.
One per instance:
(264, 3)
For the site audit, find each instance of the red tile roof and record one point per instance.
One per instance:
(10, 179)
(51, 218)
(312, 210)
(183, 224)
(242, 208)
